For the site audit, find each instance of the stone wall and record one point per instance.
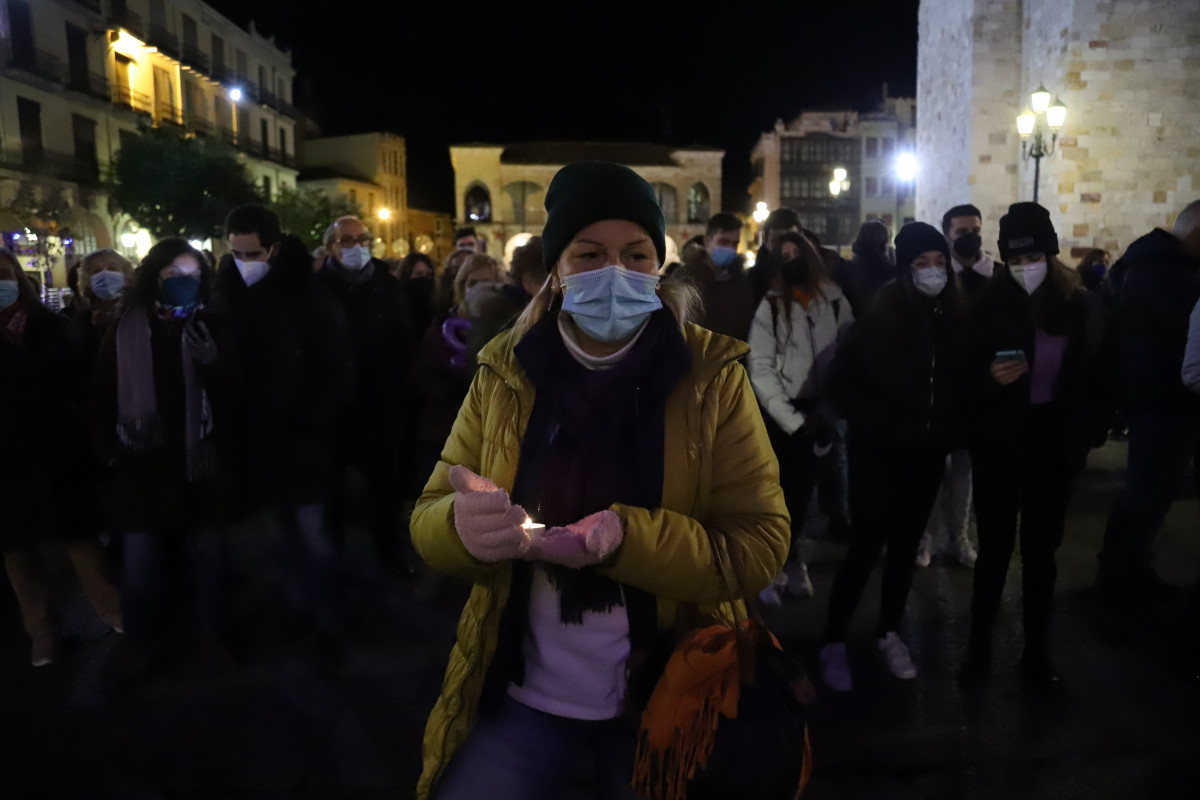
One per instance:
(944, 101)
(1129, 154)
(1128, 157)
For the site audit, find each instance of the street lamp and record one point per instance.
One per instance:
(760, 216)
(1034, 122)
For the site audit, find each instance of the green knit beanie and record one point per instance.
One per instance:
(591, 191)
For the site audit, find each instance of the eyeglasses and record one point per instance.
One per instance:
(347, 241)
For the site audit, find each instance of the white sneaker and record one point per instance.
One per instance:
(798, 582)
(965, 552)
(896, 654)
(925, 550)
(834, 667)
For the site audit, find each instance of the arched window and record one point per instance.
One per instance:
(477, 205)
(698, 205)
(668, 201)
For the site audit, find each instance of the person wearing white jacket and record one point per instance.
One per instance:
(793, 339)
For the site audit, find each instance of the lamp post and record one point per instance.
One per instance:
(760, 216)
(839, 184)
(1033, 124)
(385, 216)
(906, 172)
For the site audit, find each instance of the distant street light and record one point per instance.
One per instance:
(906, 167)
(235, 94)
(839, 183)
(384, 213)
(1030, 123)
(761, 213)
(760, 216)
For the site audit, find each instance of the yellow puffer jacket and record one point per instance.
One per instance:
(721, 480)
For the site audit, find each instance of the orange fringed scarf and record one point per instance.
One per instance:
(700, 684)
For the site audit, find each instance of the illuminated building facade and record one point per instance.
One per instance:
(79, 76)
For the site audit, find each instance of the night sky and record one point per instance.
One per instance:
(439, 73)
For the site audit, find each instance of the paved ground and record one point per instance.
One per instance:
(287, 724)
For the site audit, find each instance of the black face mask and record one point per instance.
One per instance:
(421, 287)
(795, 272)
(968, 245)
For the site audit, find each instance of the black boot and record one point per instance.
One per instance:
(1037, 670)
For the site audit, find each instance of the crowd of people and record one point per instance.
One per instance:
(966, 391)
(190, 396)
(583, 439)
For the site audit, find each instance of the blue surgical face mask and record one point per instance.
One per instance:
(8, 293)
(356, 257)
(609, 304)
(178, 294)
(107, 285)
(723, 256)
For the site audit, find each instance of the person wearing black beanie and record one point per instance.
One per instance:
(897, 379)
(629, 441)
(1037, 408)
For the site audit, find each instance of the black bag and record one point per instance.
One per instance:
(763, 752)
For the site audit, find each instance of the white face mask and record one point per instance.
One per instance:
(252, 271)
(1029, 276)
(929, 281)
(355, 258)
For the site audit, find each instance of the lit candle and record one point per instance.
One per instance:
(533, 530)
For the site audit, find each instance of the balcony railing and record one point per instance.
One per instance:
(168, 112)
(267, 98)
(129, 20)
(92, 83)
(64, 166)
(287, 108)
(220, 72)
(227, 135)
(164, 40)
(200, 126)
(37, 62)
(131, 99)
(193, 56)
(281, 157)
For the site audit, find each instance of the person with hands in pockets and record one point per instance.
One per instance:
(634, 438)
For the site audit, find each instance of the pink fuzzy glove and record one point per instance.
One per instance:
(580, 544)
(487, 522)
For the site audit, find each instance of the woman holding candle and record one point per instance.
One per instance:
(635, 438)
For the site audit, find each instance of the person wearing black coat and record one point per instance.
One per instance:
(299, 366)
(1161, 285)
(40, 409)
(1035, 337)
(870, 269)
(372, 431)
(897, 379)
(163, 418)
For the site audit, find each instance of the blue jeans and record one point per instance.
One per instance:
(524, 754)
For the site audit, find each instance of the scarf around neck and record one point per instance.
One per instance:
(595, 438)
(139, 425)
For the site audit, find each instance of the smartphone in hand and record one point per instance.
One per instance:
(1013, 356)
